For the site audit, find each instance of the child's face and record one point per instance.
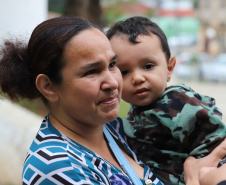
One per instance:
(143, 66)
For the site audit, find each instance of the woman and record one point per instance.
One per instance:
(69, 63)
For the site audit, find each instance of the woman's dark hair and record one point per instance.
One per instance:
(20, 63)
(139, 25)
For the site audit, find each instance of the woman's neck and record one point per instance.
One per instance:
(90, 137)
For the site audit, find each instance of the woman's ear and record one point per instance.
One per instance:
(46, 88)
(171, 64)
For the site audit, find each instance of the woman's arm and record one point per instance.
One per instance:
(204, 171)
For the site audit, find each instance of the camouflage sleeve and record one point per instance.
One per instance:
(195, 120)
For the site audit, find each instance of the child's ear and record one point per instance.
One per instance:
(45, 86)
(171, 65)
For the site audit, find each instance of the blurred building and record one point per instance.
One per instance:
(212, 17)
(177, 8)
(178, 21)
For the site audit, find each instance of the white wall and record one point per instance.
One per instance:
(20, 17)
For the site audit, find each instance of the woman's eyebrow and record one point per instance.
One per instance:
(114, 57)
(96, 64)
(92, 65)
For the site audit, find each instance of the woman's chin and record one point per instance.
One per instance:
(113, 115)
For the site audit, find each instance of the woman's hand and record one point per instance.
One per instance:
(212, 175)
(196, 174)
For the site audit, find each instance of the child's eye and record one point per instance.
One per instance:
(148, 66)
(124, 72)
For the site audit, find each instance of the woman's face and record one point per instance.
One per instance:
(91, 89)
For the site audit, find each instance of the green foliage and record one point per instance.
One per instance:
(111, 15)
(56, 6)
(196, 4)
(36, 106)
(150, 13)
(117, 10)
(123, 110)
(114, 11)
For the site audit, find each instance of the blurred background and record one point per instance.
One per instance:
(196, 33)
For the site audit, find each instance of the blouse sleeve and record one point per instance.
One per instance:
(52, 165)
(222, 183)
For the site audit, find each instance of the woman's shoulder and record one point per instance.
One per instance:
(47, 136)
(47, 144)
(47, 153)
(54, 158)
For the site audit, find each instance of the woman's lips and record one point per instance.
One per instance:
(109, 100)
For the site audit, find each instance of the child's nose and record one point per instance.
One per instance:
(138, 78)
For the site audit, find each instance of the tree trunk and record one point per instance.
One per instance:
(87, 9)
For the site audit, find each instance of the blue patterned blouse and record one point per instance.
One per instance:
(53, 158)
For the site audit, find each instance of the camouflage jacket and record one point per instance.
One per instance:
(179, 124)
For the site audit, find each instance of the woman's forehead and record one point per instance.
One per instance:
(91, 45)
(87, 39)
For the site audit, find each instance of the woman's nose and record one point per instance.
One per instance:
(109, 81)
(137, 78)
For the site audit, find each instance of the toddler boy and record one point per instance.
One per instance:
(164, 125)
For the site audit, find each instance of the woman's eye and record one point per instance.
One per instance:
(112, 64)
(148, 66)
(124, 72)
(91, 72)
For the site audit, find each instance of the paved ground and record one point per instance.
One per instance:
(19, 126)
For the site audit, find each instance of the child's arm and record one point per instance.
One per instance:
(196, 121)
